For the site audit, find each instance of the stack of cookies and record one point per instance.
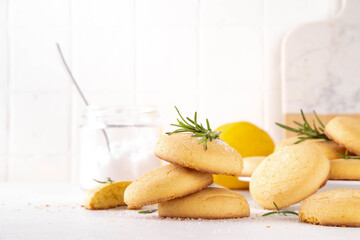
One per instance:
(344, 133)
(339, 207)
(296, 171)
(181, 188)
(293, 173)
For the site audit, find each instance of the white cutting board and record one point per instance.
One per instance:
(321, 65)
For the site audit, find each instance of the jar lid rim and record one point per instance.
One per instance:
(115, 115)
(143, 108)
(97, 110)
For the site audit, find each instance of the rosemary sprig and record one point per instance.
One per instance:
(148, 211)
(346, 156)
(280, 212)
(189, 125)
(305, 131)
(108, 180)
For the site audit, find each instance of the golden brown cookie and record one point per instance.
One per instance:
(250, 164)
(106, 196)
(339, 207)
(165, 183)
(291, 141)
(209, 203)
(329, 148)
(346, 132)
(288, 176)
(345, 169)
(184, 150)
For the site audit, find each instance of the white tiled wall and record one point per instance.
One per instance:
(280, 17)
(220, 57)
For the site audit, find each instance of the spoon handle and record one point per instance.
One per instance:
(80, 92)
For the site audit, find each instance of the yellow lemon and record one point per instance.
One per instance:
(230, 182)
(249, 140)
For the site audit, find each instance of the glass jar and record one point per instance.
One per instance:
(117, 142)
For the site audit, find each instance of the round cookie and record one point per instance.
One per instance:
(346, 132)
(165, 183)
(288, 176)
(291, 141)
(209, 203)
(329, 148)
(339, 207)
(184, 150)
(250, 164)
(344, 169)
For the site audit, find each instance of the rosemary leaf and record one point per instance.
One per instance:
(192, 126)
(108, 180)
(288, 128)
(318, 119)
(297, 123)
(346, 156)
(270, 213)
(208, 124)
(289, 212)
(305, 131)
(277, 208)
(280, 212)
(148, 211)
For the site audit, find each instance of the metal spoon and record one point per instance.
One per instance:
(80, 92)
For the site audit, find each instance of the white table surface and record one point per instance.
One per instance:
(53, 211)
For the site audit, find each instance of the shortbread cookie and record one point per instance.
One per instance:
(209, 203)
(250, 164)
(339, 207)
(346, 132)
(329, 148)
(291, 141)
(165, 183)
(106, 196)
(288, 176)
(184, 150)
(344, 169)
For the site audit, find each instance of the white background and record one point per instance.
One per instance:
(219, 57)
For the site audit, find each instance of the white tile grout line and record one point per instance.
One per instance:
(135, 51)
(336, 8)
(198, 29)
(71, 161)
(6, 176)
(264, 62)
(266, 76)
